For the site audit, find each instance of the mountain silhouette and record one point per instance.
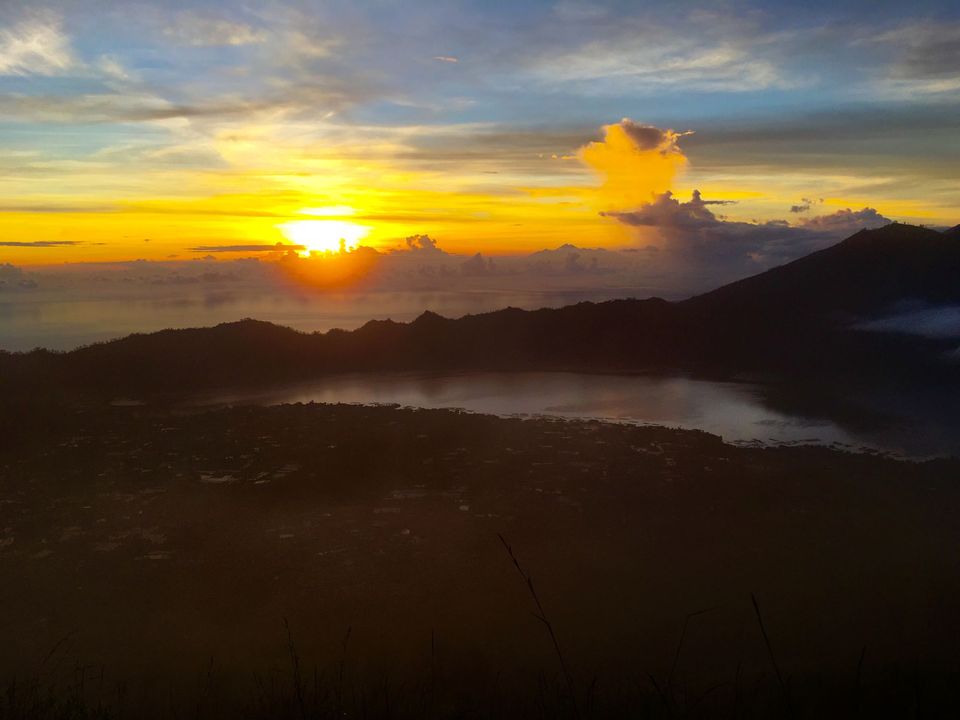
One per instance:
(800, 320)
(865, 275)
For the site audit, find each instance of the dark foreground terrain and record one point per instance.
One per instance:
(319, 561)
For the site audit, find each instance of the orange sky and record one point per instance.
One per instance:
(374, 205)
(315, 198)
(315, 202)
(223, 124)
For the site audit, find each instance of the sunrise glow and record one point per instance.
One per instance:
(324, 236)
(222, 127)
(223, 130)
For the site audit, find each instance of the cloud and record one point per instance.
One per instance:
(13, 278)
(144, 296)
(422, 244)
(39, 243)
(845, 222)
(197, 30)
(927, 57)
(667, 212)
(489, 148)
(10, 272)
(699, 244)
(568, 10)
(620, 54)
(56, 209)
(574, 265)
(120, 107)
(283, 69)
(359, 267)
(253, 247)
(111, 66)
(287, 99)
(934, 322)
(636, 162)
(205, 277)
(568, 259)
(35, 46)
(639, 163)
(478, 266)
(648, 137)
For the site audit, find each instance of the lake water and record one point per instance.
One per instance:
(738, 412)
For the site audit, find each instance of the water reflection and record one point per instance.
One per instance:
(738, 412)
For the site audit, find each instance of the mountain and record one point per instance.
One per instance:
(802, 317)
(796, 321)
(865, 275)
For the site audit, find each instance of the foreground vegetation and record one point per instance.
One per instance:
(313, 561)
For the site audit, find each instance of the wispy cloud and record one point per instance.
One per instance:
(250, 247)
(617, 55)
(925, 58)
(35, 45)
(39, 243)
(118, 107)
(201, 30)
(49, 208)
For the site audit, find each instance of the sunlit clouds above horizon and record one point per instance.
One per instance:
(167, 131)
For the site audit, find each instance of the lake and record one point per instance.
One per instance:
(740, 413)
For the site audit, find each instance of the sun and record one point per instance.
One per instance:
(324, 235)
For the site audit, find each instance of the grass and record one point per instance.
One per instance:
(625, 529)
(341, 689)
(310, 692)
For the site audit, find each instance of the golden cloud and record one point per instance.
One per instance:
(636, 162)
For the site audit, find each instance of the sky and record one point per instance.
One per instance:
(692, 143)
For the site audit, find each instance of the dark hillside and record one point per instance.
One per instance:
(795, 321)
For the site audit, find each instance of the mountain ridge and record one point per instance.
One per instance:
(796, 320)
